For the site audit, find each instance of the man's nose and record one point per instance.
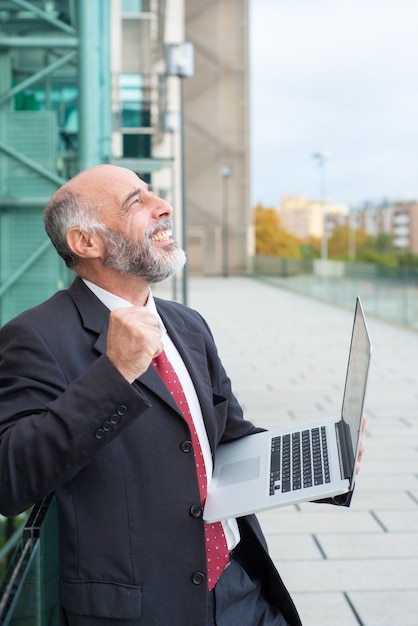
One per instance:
(161, 207)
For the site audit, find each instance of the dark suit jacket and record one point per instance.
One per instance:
(116, 456)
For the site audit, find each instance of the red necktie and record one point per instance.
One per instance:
(217, 554)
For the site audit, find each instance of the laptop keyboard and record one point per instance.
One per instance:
(299, 460)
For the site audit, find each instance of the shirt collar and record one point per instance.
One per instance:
(112, 301)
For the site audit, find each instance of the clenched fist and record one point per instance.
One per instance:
(133, 340)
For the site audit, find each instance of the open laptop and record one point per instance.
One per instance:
(307, 461)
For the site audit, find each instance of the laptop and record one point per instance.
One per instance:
(307, 461)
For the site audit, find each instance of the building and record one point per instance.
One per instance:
(306, 218)
(399, 219)
(86, 82)
(217, 136)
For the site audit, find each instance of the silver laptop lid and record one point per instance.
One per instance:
(355, 384)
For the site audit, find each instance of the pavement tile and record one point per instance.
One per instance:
(385, 499)
(398, 521)
(332, 519)
(385, 608)
(375, 482)
(294, 547)
(368, 545)
(322, 609)
(350, 575)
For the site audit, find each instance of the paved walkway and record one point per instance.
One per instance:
(286, 355)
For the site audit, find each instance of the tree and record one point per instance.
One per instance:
(271, 239)
(339, 245)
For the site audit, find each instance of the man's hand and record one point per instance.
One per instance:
(361, 449)
(133, 340)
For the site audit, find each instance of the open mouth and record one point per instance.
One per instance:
(162, 235)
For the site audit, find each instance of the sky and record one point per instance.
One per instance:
(338, 77)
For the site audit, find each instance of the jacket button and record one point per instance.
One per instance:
(114, 419)
(198, 578)
(196, 510)
(186, 446)
(100, 433)
(121, 410)
(107, 426)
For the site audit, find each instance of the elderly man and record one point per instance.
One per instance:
(116, 402)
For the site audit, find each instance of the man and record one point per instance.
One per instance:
(86, 413)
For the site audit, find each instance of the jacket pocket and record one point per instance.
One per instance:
(101, 599)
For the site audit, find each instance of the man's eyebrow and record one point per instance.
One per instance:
(136, 192)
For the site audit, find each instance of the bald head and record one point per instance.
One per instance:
(97, 185)
(81, 202)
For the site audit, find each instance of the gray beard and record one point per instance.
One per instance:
(129, 256)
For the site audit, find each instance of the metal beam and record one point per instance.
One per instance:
(31, 164)
(44, 16)
(92, 88)
(37, 76)
(25, 266)
(38, 42)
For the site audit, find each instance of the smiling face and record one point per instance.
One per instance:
(135, 224)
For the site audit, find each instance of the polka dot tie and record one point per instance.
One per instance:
(217, 554)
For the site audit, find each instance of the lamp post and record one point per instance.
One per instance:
(320, 158)
(172, 126)
(180, 62)
(226, 172)
(351, 234)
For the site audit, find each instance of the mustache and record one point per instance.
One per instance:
(165, 224)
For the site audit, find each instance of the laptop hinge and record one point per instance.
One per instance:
(345, 449)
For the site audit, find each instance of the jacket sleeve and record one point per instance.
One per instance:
(49, 426)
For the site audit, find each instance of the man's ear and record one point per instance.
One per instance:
(83, 244)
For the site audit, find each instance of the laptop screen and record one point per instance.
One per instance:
(356, 379)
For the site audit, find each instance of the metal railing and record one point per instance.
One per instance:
(390, 293)
(29, 592)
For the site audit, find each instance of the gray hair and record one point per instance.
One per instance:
(67, 210)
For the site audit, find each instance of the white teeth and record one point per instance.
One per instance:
(162, 235)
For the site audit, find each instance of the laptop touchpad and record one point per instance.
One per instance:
(238, 472)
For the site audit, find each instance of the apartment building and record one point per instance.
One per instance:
(396, 218)
(308, 218)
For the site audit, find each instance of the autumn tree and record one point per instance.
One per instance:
(271, 239)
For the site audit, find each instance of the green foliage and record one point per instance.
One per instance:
(407, 259)
(309, 251)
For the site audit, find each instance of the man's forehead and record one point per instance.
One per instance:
(107, 177)
(115, 183)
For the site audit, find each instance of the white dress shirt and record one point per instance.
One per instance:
(112, 302)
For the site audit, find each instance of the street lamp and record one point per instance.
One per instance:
(180, 62)
(320, 158)
(226, 172)
(351, 234)
(172, 126)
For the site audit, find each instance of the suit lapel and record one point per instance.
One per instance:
(192, 350)
(94, 314)
(95, 317)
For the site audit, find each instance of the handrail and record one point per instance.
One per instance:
(11, 542)
(26, 588)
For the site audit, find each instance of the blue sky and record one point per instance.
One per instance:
(339, 76)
